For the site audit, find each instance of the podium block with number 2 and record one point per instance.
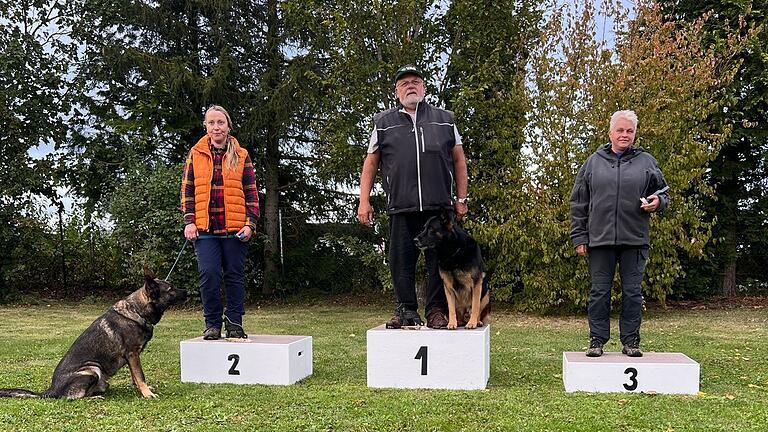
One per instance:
(670, 373)
(439, 359)
(259, 359)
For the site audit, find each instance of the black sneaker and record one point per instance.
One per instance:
(404, 317)
(212, 333)
(632, 349)
(595, 348)
(234, 330)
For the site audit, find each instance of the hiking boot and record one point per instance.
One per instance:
(632, 349)
(436, 319)
(234, 330)
(595, 348)
(404, 317)
(212, 333)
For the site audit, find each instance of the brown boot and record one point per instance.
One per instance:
(436, 319)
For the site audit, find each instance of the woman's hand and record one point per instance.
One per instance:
(245, 233)
(652, 205)
(190, 232)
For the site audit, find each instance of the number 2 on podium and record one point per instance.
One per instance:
(422, 355)
(235, 359)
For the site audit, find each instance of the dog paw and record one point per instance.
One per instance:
(147, 393)
(472, 324)
(452, 325)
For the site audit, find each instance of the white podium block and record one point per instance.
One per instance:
(259, 359)
(670, 373)
(439, 359)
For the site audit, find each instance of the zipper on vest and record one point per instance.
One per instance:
(418, 156)
(422, 139)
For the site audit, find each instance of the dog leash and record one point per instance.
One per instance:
(177, 259)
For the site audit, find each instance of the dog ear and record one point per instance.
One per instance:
(148, 273)
(448, 218)
(149, 280)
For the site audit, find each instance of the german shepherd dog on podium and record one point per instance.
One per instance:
(461, 268)
(112, 340)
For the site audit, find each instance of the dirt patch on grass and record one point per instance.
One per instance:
(748, 302)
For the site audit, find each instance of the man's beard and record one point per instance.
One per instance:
(411, 101)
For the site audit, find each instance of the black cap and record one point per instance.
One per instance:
(408, 70)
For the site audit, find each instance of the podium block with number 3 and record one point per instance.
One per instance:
(260, 359)
(669, 373)
(439, 359)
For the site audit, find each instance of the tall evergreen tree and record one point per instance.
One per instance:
(151, 70)
(488, 47)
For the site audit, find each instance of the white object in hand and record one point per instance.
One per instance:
(643, 200)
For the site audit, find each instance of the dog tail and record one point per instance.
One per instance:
(19, 393)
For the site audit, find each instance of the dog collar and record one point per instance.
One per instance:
(133, 316)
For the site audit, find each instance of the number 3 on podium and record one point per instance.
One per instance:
(632, 378)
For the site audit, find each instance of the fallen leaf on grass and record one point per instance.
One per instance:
(701, 393)
(622, 402)
(730, 396)
(753, 386)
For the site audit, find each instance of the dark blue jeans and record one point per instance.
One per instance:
(214, 255)
(403, 254)
(602, 267)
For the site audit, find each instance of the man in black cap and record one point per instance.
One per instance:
(424, 172)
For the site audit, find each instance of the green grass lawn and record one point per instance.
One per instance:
(525, 390)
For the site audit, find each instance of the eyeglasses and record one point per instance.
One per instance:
(406, 83)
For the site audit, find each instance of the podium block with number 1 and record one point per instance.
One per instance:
(427, 358)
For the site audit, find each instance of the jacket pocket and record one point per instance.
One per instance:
(646, 184)
(436, 136)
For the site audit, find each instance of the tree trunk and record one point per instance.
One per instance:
(729, 280)
(272, 155)
(729, 264)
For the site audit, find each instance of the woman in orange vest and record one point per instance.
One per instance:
(220, 203)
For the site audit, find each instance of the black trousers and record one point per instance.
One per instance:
(602, 267)
(403, 254)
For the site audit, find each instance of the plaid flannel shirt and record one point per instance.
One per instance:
(216, 206)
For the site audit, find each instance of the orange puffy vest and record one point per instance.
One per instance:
(234, 197)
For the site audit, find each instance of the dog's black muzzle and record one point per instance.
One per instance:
(423, 244)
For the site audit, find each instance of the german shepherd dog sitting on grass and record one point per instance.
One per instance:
(112, 340)
(461, 268)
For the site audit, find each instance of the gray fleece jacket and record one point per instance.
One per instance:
(605, 200)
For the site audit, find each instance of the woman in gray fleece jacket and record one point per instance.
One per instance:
(616, 190)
